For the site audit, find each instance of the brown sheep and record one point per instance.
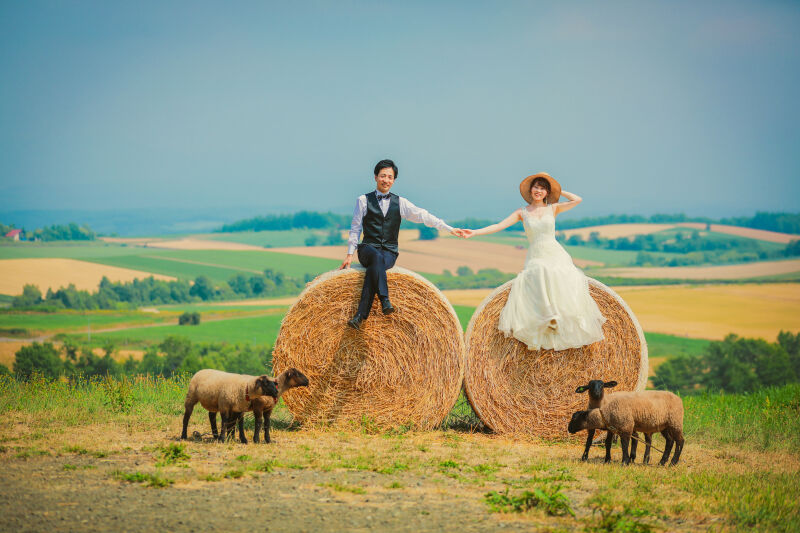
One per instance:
(645, 411)
(596, 388)
(226, 393)
(262, 407)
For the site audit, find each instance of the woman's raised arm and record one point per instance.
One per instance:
(574, 200)
(511, 219)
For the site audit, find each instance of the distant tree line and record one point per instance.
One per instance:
(695, 248)
(734, 365)
(467, 279)
(174, 355)
(300, 220)
(56, 232)
(150, 291)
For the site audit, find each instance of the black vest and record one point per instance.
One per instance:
(381, 231)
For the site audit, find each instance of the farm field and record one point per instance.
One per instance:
(750, 233)
(740, 469)
(262, 330)
(50, 273)
(721, 272)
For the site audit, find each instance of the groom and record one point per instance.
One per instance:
(378, 214)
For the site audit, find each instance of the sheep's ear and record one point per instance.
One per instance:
(583, 388)
(609, 384)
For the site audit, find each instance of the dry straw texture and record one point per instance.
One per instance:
(398, 369)
(516, 390)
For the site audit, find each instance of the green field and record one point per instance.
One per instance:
(661, 345)
(219, 265)
(77, 250)
(67, 320)
(261, 330)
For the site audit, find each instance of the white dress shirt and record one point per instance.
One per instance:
(407, 211)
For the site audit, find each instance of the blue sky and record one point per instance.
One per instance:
(639, 107)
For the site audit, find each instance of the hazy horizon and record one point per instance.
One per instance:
(640, 108)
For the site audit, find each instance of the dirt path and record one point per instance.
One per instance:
(40, 495)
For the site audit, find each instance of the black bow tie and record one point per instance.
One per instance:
(382, 196)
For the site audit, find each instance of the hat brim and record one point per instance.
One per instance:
(555, 188)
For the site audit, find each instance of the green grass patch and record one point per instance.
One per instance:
(151, 480)
(72, 320)
(172, 454)
(464, 313)
(548, 498)
(662, 345)
(338, 487)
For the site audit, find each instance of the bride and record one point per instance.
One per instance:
(549, 306)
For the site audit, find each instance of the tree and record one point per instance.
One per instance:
(428, 234)
(31, 295)
(203, 288)
(38, 358)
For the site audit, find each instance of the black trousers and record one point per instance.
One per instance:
(377, 261)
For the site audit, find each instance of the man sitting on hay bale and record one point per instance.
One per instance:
(379, 214)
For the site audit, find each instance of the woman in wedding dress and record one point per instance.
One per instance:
(549, 306)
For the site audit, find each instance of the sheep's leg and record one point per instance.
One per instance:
(212, 417)
(624, 439)
(609, 442)
(225, 421)
(667, 448)
(267, 415)
(187, 414)
(633, 446)
(259, 419)
(648, 439)
(678, 450)
(241, 429)
(589, 437)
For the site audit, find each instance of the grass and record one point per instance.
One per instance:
(663, 345)
(739, 469)
(71, 320)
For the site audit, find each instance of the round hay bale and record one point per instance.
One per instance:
(402, 368)
(516, 390)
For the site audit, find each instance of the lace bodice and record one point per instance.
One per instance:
(539, 226)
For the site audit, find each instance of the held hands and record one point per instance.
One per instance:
(463, 233)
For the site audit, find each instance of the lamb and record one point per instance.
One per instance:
(228, 394)
(645, 411)
(288, 379)
(596, 388)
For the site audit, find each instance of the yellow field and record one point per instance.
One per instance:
(763, 235)
(740, 271)
(711, 312)
(56, 273)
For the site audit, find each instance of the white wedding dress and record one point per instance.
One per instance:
(549, 306)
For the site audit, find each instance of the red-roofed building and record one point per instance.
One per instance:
(14, 234)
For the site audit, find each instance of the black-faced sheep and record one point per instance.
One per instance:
(596, 388)
(262, 407)
(646, 411)
(225, 393)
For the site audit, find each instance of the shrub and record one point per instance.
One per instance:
(190, 319)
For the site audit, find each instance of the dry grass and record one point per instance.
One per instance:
(8, 351)
(713, 311)
(760, 234)
(201, 244)
(442, 254)
(741, 271)
(55, 273)
(404, 368)
(615, 231)
(516, 390)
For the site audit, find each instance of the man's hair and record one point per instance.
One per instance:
(386, 163)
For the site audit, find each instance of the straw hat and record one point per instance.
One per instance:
(555, 188)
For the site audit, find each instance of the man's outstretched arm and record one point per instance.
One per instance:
(416, 214)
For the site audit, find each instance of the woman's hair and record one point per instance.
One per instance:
(386, 163)
(543, 182)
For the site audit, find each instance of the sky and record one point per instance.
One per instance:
(639, 107)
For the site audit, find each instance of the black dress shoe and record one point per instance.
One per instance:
(386, 307)
(355, 322)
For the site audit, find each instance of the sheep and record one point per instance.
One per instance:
(596, 388)
(288, 379)
(225, 393)
(645, 411)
